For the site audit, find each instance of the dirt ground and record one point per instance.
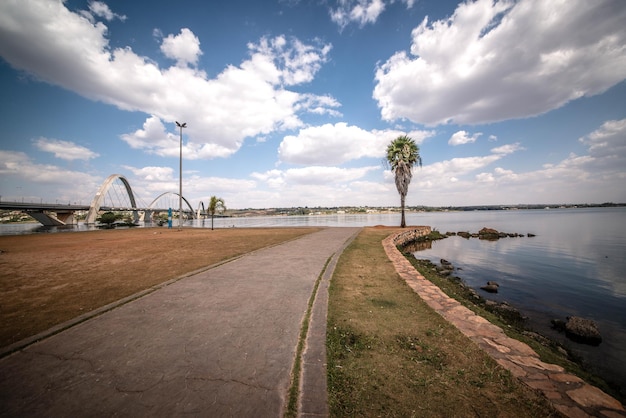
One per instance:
(47, 279)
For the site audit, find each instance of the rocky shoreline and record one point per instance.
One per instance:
(579, 330)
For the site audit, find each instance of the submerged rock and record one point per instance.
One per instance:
(558, 324)
(582, 330)
(491, 288)
(490, 234)
(506, 311)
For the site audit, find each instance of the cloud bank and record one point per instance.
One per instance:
(71, 50)
(498, 60)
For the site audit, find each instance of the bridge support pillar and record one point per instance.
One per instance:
(146, 216)
(66, 217)
(54, 218)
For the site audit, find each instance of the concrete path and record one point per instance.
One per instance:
(219, 343)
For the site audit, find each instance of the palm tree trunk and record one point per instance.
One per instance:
(211, 222)
(402, 221)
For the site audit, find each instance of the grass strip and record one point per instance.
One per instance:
(391, 355)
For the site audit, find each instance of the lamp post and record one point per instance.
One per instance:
(180, 178)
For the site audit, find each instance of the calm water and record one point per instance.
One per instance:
(573, 266)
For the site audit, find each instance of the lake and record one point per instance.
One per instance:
(574, 266)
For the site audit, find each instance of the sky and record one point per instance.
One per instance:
(292, 103)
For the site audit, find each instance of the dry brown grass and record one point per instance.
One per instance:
(50, 278)
(390, 355)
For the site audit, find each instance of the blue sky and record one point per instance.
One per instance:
(293, 102)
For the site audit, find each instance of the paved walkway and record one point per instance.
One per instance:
(569, 394)
(218, 343)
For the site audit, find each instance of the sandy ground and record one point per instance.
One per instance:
(47, 279)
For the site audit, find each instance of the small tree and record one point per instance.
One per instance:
(216, 204)
(108, 218)
(402, 154)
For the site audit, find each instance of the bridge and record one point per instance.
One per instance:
(114, 195)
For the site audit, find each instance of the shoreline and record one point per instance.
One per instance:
(503, 314)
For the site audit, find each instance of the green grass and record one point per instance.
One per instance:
(391, 355)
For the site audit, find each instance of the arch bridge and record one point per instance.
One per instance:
(111, 196)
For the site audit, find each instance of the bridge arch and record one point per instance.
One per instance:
(151, 206)
(98, 199)
(201, 210)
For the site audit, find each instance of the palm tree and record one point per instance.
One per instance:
(402, 154)
(216, 204)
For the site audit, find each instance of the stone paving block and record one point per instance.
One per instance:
(589, 395)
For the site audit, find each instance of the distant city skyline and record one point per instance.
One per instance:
(292, 103)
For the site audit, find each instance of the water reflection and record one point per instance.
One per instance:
(418, 246)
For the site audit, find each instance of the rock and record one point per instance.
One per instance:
(491, 288)
(558, 324)
(490, 283)
(444, 262)
(529, 235)
(582, 330)
(505, 311)
(463, 234)
(539, 338)
(490, 234)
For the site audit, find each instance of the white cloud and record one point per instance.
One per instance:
(312, 175)
(485, 178)
(456, 167)
(102, 10)
(462, 137)
(493, 61)
(361, 12)
(289, 62)
(338, 143)
(20, 169)
(321, 185)
(596, 177)
(608, 141)
(607, 148)
(148, 183)
(507, 149)
(158, 174)
(64, 150)
(66, 49)
(183, 48)
(155, 139)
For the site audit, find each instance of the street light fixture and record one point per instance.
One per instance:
(180, 178)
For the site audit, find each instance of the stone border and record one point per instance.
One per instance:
(569, 394)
